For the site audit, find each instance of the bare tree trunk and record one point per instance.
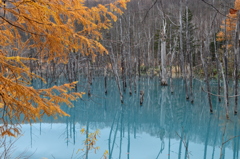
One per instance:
(205, 67)
(189, 52)
(115, 71)
(105, 79)
(224, 86)
(171, 60)
(123, 62)
(182, 54)
(236, 53)
(89, 78)
(163, 56)
(218, 69)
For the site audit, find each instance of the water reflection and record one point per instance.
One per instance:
(165, 126)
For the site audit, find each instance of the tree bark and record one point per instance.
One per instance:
(205, 67)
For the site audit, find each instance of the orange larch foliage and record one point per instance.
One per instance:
(53, 28)
(229, 24)
(237, 5)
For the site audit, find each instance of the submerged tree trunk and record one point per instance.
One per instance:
(115, 72)
(105, 79)
(89, 77)
(218, 69)
(190, 59)
(171, 62)
(205, 67)
(224, 86)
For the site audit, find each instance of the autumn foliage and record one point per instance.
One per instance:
(229, 24)
(49, 29)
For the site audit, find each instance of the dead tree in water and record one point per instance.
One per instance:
(115, 72)
(205, 68)
(182, 54)
(89, 77)
(105, 79)
(236, 53)
(141, 97)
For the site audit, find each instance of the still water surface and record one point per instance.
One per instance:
(166, 126)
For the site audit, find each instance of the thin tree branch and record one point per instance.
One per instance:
(212, 93)
(220, 95)
(211, 5)
(19, 27)
(230, 139)
(149, 10)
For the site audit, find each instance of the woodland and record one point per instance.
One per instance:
(126, 40)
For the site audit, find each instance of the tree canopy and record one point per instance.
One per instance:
(48, 30)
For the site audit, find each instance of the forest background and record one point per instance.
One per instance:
(49, 40)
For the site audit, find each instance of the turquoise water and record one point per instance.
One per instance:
(166, 126)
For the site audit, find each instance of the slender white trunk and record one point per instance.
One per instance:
(163, 56)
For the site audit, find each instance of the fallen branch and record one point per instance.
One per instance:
(219, 95)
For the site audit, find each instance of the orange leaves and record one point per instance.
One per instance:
(220, 36)
(4, 130)
(52, 24)
(18, 99)
(232, 11)
(123, 3)
(237, 4)
(90, 141)
(48, 30)
(229, 24)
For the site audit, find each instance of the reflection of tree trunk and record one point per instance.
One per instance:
(73, 123)
(67, 127)
(216, 137)
(40, 128)
(235, 145)
(121, 133)
(87, 132)
(169, 147)
(111, 145)
(128, 146)
(162, 133)
(186, 150)
(207, 137)
(180, 146)
(31, 135)
(222, 148)
(135, 123)
(164, 96)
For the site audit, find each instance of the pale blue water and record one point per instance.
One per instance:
(166, 126)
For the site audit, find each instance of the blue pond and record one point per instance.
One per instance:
(165, 126)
